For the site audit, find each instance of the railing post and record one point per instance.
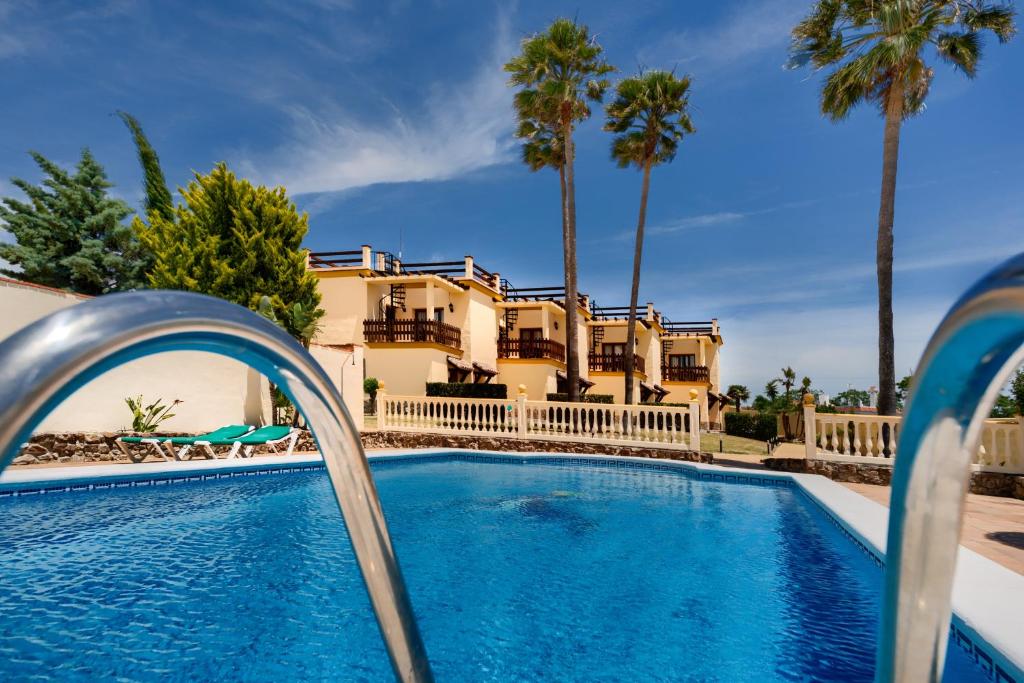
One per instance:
(810, 429)
(367, 257)
(521, 412)
(381, 413)
(694, 421)
(469, 267)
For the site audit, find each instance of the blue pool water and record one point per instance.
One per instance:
(517, 572)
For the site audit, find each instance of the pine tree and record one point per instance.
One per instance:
(239, 242)
(69, 234)
(158, 197)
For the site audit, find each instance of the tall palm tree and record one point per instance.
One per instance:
(788, 378)
(771, 389)
(875, 49)
(738, 393)
(649, 116)
(559, 73)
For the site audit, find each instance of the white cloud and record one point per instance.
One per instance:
(462, 127)
(751, 29)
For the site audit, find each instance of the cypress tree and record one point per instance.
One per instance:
(69, 234)
(158, 197)
(239, 242)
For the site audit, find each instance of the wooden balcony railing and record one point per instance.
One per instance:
(381, 331)
(531, 348)
(612, 362)
(697, 373)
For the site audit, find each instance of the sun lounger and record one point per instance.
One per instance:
(244, 446)
(160, 443)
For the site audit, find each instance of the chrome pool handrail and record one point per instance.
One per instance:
(968, 360)
(46, 362)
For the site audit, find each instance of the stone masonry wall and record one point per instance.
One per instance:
(984, 483)
(101, 447)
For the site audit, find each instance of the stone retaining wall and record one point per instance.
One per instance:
(100, 447)
(387, 439)
(984, 483)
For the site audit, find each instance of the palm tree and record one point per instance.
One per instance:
(738, 393)
(876, 48)
(649, 116)
(788, 379)
(771, 389)
(559, 72)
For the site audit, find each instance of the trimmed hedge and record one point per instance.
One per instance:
(584, 398)
(466, 390)
(760, 426)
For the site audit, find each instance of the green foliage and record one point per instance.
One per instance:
(903, 390)
(876, 49)
(751, 425)
(1017, 391)
(239, 242)
(69, 234)
(584, 398)
(146, 418)
(1004, 407)
(649, 116)
(158, 197)
(852, 398)
(738, 393)
(466, 390)
(771, 389)
(371, 385)
(559, 73)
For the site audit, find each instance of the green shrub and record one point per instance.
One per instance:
(760, 426)
(465, 390)
(584, 398)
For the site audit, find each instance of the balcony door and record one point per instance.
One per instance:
(614, 349)
(530, 342)
(682, 360)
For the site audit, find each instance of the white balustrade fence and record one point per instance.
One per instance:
(874, 438)
(625, 425)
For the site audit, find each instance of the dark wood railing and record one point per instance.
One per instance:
(381, 331)
(688, 329)
(612, 362)
(531, 348)
(334, 259)
(697, 373)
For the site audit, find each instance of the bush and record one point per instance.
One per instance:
(760, 426)
(465, 390)
(584, 398)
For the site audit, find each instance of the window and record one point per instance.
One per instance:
(439, 314)
(682, 360)
(420, 314)
(531, 333)
(529, 342)
(614, 349)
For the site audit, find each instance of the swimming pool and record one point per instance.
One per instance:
(555, 570)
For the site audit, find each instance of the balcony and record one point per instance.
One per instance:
(531, 348)
(409, 331)
(696, 373)
(613, 362)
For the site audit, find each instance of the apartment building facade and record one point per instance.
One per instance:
(455, 321)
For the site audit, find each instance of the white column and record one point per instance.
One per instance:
(521, 414)
(810, 430)
(545, 322)
(469, 267)
(381, 421)
(703, 354)
(367, 256)
(694, 421)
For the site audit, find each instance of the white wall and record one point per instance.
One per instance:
(345, 368)
(214, 390)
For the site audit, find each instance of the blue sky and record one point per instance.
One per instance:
(389, 118)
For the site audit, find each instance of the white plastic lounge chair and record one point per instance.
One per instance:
(164, 445)
(244, 446)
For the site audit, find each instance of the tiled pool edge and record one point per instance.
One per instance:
(863, 521)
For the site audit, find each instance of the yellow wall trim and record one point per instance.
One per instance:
(605, 373)
(341, 272)
(451, 350)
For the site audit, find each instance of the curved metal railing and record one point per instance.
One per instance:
(969, 359)
(46, 362)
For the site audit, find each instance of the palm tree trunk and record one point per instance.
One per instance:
(634, 293)
(884, 248)
(572, 357)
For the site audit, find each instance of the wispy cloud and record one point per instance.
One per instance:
(748, 31)
(461, 128)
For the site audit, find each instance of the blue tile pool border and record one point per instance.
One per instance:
(992, 664)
